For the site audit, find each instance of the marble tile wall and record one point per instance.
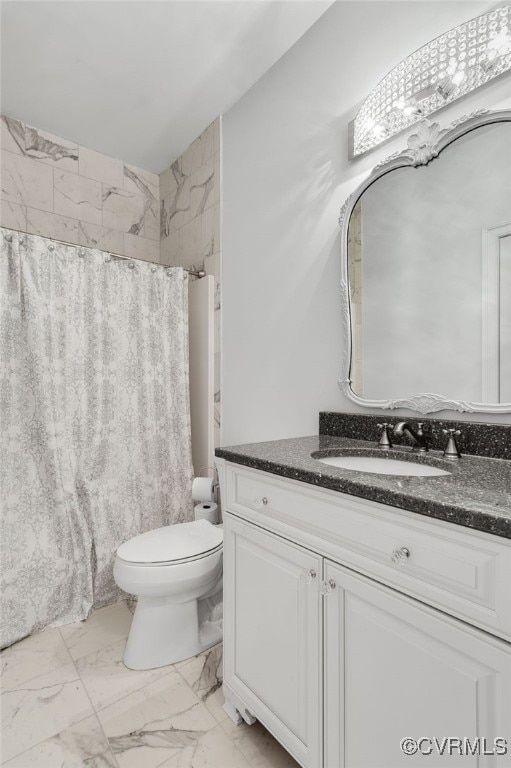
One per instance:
(56, 188)
(190, 216)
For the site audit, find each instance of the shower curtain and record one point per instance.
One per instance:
(95, 422)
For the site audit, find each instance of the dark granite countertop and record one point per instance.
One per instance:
(477, 493)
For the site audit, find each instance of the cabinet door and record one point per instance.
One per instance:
(272, 628)
(395, 668)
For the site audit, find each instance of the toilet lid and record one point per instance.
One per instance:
(172, 542)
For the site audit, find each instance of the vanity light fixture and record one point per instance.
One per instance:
(450, 66)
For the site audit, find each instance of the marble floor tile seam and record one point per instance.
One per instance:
(170, 717)
(19, 755)
(81, 634)
(166, 671)
(203, 696)
(257, 762)
(137, 690)
(100, 724)
(243, 758)
(200, 675)
(52, 653)
(106, 737)
(77, 707)
(258, 745)
(205, 701)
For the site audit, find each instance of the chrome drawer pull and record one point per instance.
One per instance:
(400, 556)
(264, 500)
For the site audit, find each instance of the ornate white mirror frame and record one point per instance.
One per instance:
(424, 144)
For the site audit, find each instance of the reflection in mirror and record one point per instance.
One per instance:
(429, 271)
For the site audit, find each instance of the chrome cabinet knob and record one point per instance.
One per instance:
(265, 501)
(400, 556)
(308, 576)
(327, 586)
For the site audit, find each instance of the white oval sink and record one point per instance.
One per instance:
(381, 466)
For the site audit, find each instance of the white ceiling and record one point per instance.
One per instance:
(140, 80)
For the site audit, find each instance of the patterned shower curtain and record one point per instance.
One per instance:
(94, 422)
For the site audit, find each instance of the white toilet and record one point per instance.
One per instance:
(176, 572)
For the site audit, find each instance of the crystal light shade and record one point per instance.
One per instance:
(441, 71)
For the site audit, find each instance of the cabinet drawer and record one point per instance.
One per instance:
(467, 574)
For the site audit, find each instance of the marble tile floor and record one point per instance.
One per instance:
(68, 701)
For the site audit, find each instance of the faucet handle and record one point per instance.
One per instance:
(451, 449)
(385, 443)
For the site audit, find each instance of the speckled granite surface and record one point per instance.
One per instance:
(477, 493)
(493, 440)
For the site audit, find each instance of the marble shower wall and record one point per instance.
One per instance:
(190, 193)
(56, 188)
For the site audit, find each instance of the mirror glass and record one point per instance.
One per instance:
(429, 273)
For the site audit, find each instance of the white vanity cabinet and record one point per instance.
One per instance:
(272, 609)
(395, 668)
(331, 640)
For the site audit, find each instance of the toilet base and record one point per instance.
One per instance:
(164, 633)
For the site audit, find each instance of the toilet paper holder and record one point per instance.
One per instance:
(215, 475)
(205, 488)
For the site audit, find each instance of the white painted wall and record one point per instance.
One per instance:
(285, 175)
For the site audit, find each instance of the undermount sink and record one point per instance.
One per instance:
(380, 465)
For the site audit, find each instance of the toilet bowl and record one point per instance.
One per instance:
(176, 572)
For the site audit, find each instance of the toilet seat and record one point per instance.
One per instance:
(168, 563)
(173, 544)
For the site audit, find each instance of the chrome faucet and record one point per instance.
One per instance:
(385, 442)
(451, 449)
(419, 440)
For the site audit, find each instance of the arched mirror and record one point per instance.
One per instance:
(427, 272)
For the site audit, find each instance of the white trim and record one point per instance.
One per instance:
(491, 311)
(201, 305)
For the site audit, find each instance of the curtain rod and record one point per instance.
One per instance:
(194, 272)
